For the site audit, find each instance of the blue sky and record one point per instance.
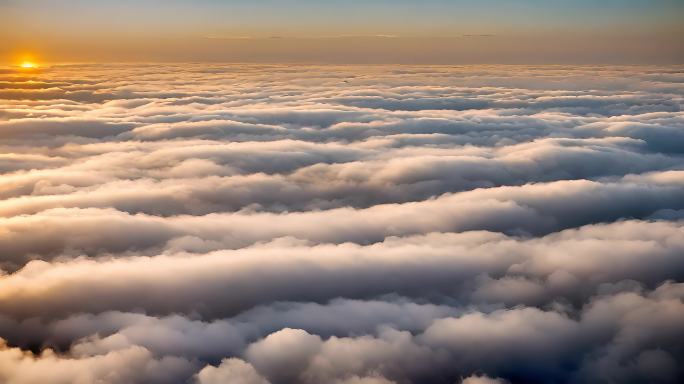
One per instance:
(311, 17)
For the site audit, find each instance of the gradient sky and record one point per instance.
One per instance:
(439, 31)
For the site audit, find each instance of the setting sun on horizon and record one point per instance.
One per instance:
(28, 65)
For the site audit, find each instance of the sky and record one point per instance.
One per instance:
(370, 31)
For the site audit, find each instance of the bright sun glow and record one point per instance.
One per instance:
(28, 64)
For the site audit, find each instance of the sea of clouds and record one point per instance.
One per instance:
(360, 225)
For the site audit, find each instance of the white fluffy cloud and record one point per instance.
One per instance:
(231, 371)
(357, 225)
(134, 364)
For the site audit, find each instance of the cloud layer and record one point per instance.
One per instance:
(388, 224)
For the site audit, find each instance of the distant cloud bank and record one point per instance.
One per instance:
(341, 224)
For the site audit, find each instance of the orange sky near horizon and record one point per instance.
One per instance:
(375, 31)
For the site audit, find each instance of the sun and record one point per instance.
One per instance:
(28, 65)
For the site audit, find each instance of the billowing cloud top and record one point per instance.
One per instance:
(303, 224)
